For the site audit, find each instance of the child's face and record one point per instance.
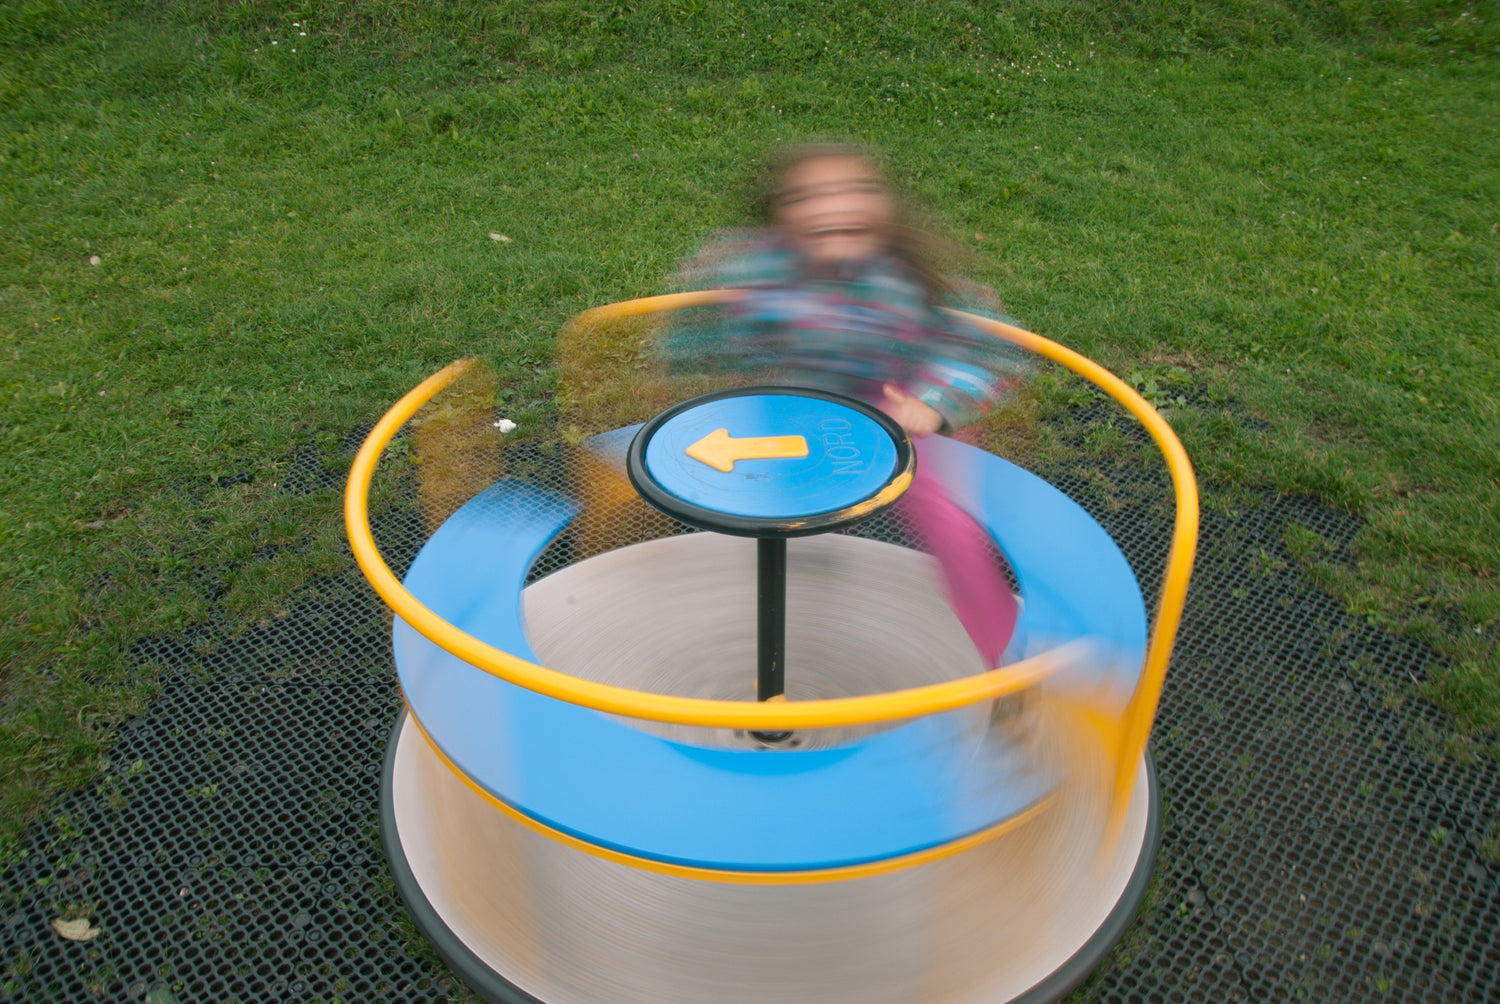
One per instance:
(835, 208)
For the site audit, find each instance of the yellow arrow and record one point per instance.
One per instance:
(719, 451)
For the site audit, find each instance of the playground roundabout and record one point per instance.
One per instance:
(764, 761)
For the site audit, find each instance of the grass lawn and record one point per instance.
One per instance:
(232, 231)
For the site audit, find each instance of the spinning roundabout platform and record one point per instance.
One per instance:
(880, 817)
(1316, 843)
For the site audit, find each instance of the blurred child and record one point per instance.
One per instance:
(844, 295)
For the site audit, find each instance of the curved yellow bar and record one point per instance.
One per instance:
(891, 706)
(841, 712)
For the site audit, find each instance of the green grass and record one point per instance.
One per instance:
(1290, 204)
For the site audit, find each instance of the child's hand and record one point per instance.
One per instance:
(914, 415)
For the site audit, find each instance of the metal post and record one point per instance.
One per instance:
(770, 601)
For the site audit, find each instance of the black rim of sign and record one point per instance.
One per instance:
(763, 526)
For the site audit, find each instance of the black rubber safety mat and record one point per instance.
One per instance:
(1314, 847)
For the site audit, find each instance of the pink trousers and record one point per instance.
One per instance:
(976, 587)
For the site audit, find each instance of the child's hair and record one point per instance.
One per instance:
(913, 237)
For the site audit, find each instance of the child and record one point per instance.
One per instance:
(843, 296)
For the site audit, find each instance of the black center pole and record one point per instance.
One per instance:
(770, 604)
(822, 462)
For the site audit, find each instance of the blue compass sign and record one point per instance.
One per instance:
(771, 461)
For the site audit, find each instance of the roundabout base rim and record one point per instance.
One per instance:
(496, 989)
(478, 976)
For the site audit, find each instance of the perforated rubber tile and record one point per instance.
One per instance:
(1332, 857)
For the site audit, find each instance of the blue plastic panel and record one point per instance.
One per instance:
(910, 788)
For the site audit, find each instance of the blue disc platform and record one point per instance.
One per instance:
(907, 789)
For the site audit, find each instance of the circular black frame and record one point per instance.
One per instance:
(762, 526)
(496, 989)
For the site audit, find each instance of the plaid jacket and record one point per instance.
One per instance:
(848, 328)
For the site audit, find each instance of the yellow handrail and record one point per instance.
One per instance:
(894, 705)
